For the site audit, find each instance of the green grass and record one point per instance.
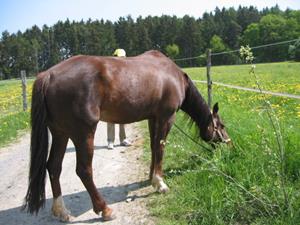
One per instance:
(11, 125)
(239, 185)
(277, 77)
(12, 117)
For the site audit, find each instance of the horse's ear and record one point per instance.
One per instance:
(215, 108)
(185, 76)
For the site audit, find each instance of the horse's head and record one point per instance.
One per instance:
(215, 131)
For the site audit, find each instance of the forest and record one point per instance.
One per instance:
(37, 49)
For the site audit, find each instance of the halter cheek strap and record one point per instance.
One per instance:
(219, 134)
(222, 138)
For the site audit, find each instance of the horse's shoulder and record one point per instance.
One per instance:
(74, 58)
(155, 53)
(79, 57)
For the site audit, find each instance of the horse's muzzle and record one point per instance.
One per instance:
(228, 142)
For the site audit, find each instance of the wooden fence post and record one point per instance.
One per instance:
(209, 81)
(24, 84)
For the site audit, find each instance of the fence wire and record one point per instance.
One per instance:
(237, 50)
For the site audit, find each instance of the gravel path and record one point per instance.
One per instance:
(120, 175)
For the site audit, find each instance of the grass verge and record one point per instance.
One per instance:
(239, 185)
(11, 125)
(12, 118)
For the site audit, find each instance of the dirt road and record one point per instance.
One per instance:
(120, 175)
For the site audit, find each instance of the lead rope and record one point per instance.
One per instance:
(192, 139)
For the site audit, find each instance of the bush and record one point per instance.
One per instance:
(294, 51)
(172, 51)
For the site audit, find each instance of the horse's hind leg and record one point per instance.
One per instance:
(84, 156)
(54, 165)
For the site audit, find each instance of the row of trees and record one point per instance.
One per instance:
(222, 30)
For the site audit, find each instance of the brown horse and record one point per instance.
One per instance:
(71, 97)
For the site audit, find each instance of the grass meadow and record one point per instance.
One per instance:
(277, 77)
(12, 117)
(246, 184)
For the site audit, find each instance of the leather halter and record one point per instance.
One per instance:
(217, 132)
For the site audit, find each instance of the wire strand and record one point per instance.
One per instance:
(188, 58)
(237, 50)
(256, 47)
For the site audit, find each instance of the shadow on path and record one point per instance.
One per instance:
(96, 147)
(78, 203)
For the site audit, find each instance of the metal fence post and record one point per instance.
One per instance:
(209, 81)
(24, 84)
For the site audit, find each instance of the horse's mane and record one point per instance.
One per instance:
(195, 107)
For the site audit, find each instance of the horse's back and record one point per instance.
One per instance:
(140, 87)
(112, 89)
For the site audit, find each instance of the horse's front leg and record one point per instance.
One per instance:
(159, 130)
(84, 157)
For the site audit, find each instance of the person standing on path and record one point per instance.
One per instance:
(111, 126)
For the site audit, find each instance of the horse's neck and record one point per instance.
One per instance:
(195, 106)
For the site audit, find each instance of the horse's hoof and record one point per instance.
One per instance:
(67, 218)
(60, 211)
(109, 218)
(107, 214)
(158, 184)
(64, 217)
(163, 190)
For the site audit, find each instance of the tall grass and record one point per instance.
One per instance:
(277, 77)
(11, 125)
(12, 117)
(240, 185)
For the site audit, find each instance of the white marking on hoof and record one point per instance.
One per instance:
(159, 184)
(163, 142)
(59, 210)
(108, 215)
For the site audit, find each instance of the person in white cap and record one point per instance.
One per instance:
(111, 126)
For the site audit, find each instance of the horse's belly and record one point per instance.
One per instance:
(123, 116)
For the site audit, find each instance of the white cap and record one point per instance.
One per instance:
(120, 52)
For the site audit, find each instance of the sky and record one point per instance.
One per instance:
(22, 14)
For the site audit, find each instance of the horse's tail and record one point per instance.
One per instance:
(35, 197)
